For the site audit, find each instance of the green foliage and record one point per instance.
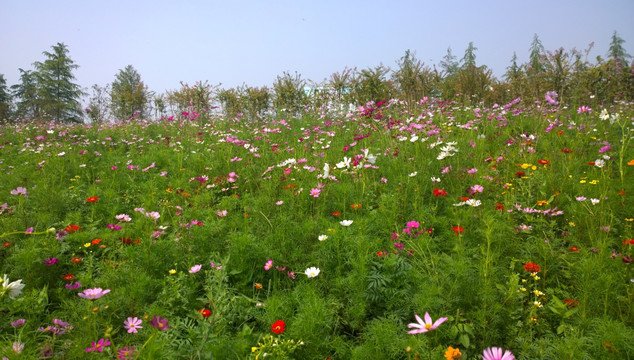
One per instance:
(57, 94)
(289, 92)
(128, 94)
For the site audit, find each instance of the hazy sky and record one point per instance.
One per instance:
(253, 41)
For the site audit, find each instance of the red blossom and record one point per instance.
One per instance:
(72, 228)
(543, 162)
(205, 313)
(356, 206)
(76, 260)
(439, 192)
(571, 302)
(69, 277)
(278, 327)
(499, 206)
(336, 213)
(574, 249)
(457, 229)
(92, 199)
(520, 174)
(532, 267)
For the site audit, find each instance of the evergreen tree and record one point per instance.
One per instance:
(129, 95)
(26, 95)
(449, 63)
(536, 55)
(469, 58)
(58, 95)
(513, 71)
(5, 99)
(616, 50)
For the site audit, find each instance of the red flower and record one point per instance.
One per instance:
(205, 313)
(627, 242)
(464, 198)
(126, 240)
(571, 302)
(356, 206)
(457, 229)
(96, 241)
(532, 267)
(92, 199)
(543, 162)
(566, 150)
(76, 260)
(278, 327)
(6, 244)
(336, 213)
(499, 206)
(439, 192)
(72, 228)
(591, 163)
(574, 249)
(520, 174)
(69, 277)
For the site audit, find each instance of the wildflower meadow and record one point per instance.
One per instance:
(395, 230)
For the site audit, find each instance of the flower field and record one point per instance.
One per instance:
(395, 231)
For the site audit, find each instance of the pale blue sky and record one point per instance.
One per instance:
(253, 41)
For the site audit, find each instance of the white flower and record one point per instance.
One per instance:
(435, 179)
(595, 201)
(322, 237)
(346, 222)
(14, 288)
(344, 164)
(599, 163)
(413, 174)
(473, 202)
(604, 115)
(326, 171)
(413, 138)
(311, 272)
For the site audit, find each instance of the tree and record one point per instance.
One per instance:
(28, 104)
(58, 95)
(449, 63)
(469, 58)
(129, 95)
(98, 109)
(373, 86)
(195, 98)
(616, 50)
(5, 99)
(536, 57)
(289, 92)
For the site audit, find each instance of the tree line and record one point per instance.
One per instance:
(48, 92)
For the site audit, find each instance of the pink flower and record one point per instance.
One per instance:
(424, 326)
(496, 353)
(194, 269)
(132, 324)
(476, 189)
(268, 265)
(95, 293)
(98, 346)
(315, 192)
(413, 224)
(583, 109)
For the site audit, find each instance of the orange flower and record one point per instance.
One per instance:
(574, 249)
(6, 244)
(92, 199)
(336, 213)
(631, 162)
(96, 241)
(72, 228)
(76, 260)
(356, 206)
(257, 286)
(69, 277)
(453, 354)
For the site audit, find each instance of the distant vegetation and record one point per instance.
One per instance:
(48, 92)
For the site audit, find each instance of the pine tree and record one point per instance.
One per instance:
(449, 63)
(5, 99)
(58, 95)
(537, 53)
(616, 50)
(26, 95)
(129, 95)
(469, 58)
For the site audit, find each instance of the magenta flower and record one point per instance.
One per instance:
(50, 261)
(268, 265)
(98, 346)
(95, 293)
(18, 322)
(413, 224)
(315, 192)
(496, 353)
(73, 286)
(583, 109)
(126, 353)
(29, 230)
(424, 326)
(132, 324)
(159, 323)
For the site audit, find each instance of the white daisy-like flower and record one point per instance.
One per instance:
(312, 272)
(322, 237)
(413, 174)
(473, 202)
(13, 288)
(599, 163)
(346, 222)
(595, 201)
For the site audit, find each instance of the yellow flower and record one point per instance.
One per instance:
(629, 219)
(538, 304)
(534, 167)
(526, 166)
(538, 293)
(594, 182)
(534, 319)
(582, 182)
(542, 202)
(87, 244)
(571, 224)
(523, 289)
(172, 271)
(536, 277)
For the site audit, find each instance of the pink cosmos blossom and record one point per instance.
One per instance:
(496, 353)
(268, 265)
(425, 326)
(194, 269)
(20, 191)
(315, 192)
(95, 293)
(132, 324)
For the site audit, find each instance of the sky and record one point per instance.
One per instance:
(230, 42)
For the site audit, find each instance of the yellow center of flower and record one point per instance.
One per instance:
(427, 326)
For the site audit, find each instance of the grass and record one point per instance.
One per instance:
(448, 206)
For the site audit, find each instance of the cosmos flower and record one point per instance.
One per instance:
(311, 272)
(422, 327)
(95, 293)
